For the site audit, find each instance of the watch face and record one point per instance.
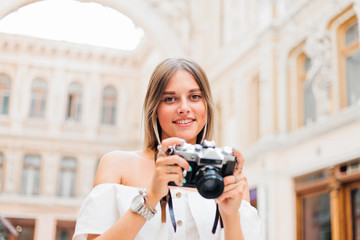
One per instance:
(137, 203)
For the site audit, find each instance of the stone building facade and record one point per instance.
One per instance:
(285, 77)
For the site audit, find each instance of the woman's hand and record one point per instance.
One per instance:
(167, 169)
(236, 189)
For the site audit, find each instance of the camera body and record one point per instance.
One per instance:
(209, 165)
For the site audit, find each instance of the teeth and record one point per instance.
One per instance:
(184, 121)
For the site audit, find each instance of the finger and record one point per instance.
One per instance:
(173, 160)
(166, 143)
(174, 177)
(173, 169)
(240, 164)
(233, 191)
(231, 179)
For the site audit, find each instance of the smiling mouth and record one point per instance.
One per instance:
(185, 121)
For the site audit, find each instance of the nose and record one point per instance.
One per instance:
(183, 107)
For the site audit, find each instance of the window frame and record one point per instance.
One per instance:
(34, 193)
(109, 103)
(74, 102)
(3, 90)
(339, 185)
(74, 193)
(343, 52)
(39, 111)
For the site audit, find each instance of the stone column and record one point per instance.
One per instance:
(16, 108)
(45, 228)
(12, 170)
(91, 115)
(51, 173)
(86, 173)
(334, 205)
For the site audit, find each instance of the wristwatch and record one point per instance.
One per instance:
(138, 205)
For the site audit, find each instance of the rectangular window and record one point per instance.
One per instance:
(38, 98)
(349, 62)
(67, 182)
(355, 212)
(328, 203)
(30, 182)
(25, 228)
(5, 105)
(109, 106)
(5, 85)
(316, 217)
(352, 64)
(65, 230)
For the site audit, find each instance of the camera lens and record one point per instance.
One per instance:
(208, 182)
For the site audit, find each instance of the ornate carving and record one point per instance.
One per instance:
(177, 14)
(318, 49)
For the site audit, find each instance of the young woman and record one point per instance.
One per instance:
(129, 186)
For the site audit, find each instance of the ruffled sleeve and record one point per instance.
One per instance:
(99, 211)
(250, 221)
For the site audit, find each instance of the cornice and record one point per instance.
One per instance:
(14, 44)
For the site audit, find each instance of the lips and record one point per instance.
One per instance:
(183, 121)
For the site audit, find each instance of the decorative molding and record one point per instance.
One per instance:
(288, 140)
(14, 44)
(177, 14)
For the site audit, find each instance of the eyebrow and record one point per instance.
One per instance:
(173, 93)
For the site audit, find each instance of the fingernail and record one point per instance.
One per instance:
(184, 181)
(181, 184)
(235, 149)
(183, 141)
(190, 168)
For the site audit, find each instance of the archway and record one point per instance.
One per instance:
(157, 33)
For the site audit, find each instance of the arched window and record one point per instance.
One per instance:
(108, 113)
(306, 99)
(38, 98)
(73, 111)
(30, 182)
(67, 181)
(349, 59)
(5, 85)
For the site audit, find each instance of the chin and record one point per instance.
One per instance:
(189, 138)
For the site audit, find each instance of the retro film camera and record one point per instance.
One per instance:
(209, 165)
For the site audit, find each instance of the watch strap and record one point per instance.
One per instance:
(147, 213)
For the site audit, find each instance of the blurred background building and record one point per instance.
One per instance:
(285, 76)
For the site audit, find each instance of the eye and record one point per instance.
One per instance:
(195, 97)
(169, 99)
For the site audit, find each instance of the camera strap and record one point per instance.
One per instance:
(166, 200)
(216, 220)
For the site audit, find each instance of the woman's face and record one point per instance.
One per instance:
(182, 110)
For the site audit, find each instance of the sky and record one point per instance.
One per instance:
(73, 21)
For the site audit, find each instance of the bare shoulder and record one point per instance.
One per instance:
(113, 165)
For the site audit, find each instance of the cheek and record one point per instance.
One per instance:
(163, 114)
(202, 113)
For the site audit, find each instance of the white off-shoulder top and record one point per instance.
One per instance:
(194, 215)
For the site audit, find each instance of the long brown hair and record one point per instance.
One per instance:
(158, 81)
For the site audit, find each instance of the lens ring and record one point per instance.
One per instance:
(209, 183)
